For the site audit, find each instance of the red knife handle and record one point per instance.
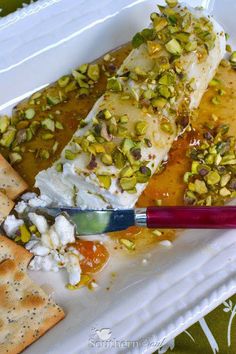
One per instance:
(192, 217)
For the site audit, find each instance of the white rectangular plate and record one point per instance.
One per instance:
(146, 304)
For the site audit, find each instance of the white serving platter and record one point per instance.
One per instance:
(148, 302)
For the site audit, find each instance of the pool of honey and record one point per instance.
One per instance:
(168, 186)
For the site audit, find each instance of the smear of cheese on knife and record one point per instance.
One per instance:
(131, 128)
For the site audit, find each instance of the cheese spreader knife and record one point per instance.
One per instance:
(90, 222)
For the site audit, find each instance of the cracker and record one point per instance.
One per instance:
(26, 312)
(6, 205)
(10, 181)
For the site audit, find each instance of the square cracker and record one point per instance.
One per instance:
(26, 312)
(10, 181)
(6, 205)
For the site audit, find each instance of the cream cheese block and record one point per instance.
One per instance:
(131, 128)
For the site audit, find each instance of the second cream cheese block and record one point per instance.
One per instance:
(130, 130)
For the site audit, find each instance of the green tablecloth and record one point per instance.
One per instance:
(212, 334)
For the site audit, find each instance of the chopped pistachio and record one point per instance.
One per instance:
(166, 127)
(209, 159)
(225, 63)
(55, 147)
(58, 125)
(214, 82)
(113, 84)
(159, 102)
(215, 100)
(149, 94)
(106, 159)
(124, 119)
(4, 124)
(187, 175)
(47, 136)
(8, 137)
(174, 47)
(172, 3)
(59, 167)
(78, 76)
(36, 95)
(141, 127)
(64, 81)
(233, 58)
(44, 154)
(69, 155)
(83, 91)
(127, 172)
(15, 157)
(34, 126)
(228, 48)
(164, 91)
(29, 134)
(159, 23)
(225, 179)
(107, 57)
(119, 159)
(51, 100)
(139, 71)
(48, 124)
(83, 84)
(130, 245)
(71, 87)
(128, 183)
(105, 181)
(29, 113)
(33, 229)
(191, 46)
(213, 178)
(158, 202)
(224, 192)
(143, 175)
(107, 114)
(83, 68)
(157, 233)
(166, 79)
(93, 72)
(183, 37)
(194, 167)
(24, 234)
(137, 40)
(153, 47)
(127, 145)
(200, 187)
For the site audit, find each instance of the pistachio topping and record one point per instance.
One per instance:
(174, 47)
(130, 245)
(69, 155)
(29, 113)
(105, 181)
(4, 124)
(128, 183)
(233, 60)
(113, 84)
(141, 127)
(64, 81)
(93, 72)
(212, 178)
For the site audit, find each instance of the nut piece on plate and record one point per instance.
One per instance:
(26, 312)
